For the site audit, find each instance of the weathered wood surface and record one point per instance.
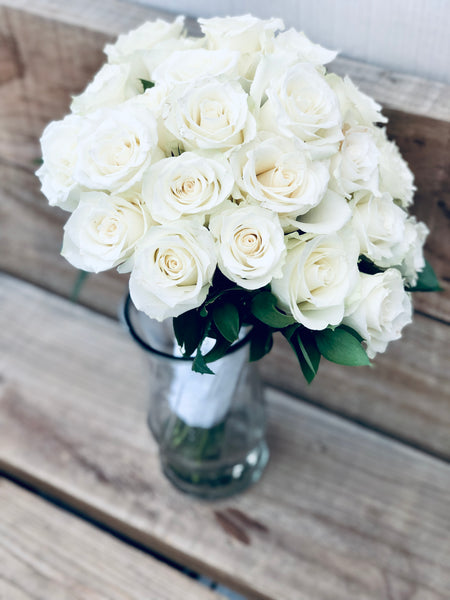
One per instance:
(340, 513)
(43, 41)
(35, 88)
(48, 553)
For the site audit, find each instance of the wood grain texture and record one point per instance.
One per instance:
(45, 42)
(47, 553)
(35, 88)
(340, 513)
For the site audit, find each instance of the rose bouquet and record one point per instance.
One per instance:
(241, 185)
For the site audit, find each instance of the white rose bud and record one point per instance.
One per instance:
(194, 65)
(380, 227)
(173, 270)
(279, 174)
(246, 34)
(110, 86)
(59, 144)
(319, 273)
(356, 107)
(192, 184)
(212, 114)
(379, 309)
(116, 147)
(395, 175)
(302, 104)
(413, 261)
(295, 46)
(329, 216)
(355, 166)
(250, 244)
(243, 33)
(103, 231)
(144, 37)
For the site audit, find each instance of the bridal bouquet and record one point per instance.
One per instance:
(241, 185)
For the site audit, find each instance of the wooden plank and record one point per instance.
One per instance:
(47, 551)
(406, 393)
(35, 88)
(340, 513)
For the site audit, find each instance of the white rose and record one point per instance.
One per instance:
(193, 65)
(319, 273)
(329, 216)
(144, 37)
(379, 309)
(154, 100)
(173, 270)
(250, 244)
(244, 33)
(116, 146)
(413, 261)
(395, 175)
(280, 175)
(110, 86)
(247, 34)
(211, 114)
(356, 107)
(302, 104)
(59, 145)
(187, 185)
(355, 166)
(380, 227)
(103, 231)
(295, 46)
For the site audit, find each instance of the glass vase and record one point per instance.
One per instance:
(210, 429)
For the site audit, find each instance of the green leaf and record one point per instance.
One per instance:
(219, 350)
(226, 319)
(215, 297)
(264, 308)
(146, 84)
(199, 364)
(303, 343)
(427, 281)
(341, 347)
(353, 332)
(189, 329)
(261, 342)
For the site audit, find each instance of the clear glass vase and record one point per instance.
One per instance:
(210, 428)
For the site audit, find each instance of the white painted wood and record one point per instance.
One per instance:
(409, 36)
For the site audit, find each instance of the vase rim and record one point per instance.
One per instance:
(146, 346)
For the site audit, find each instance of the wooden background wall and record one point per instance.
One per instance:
(50, 49)
(409, 36)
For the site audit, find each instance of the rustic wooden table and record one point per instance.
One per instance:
(355, 502)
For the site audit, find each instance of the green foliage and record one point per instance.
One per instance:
(303, 343)
(261, 342)
(189, 330)
(264, 308)
(146, 84)
(342, 346)
(199, 365)
(226, 319)
(427, 281)
(219, 349)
